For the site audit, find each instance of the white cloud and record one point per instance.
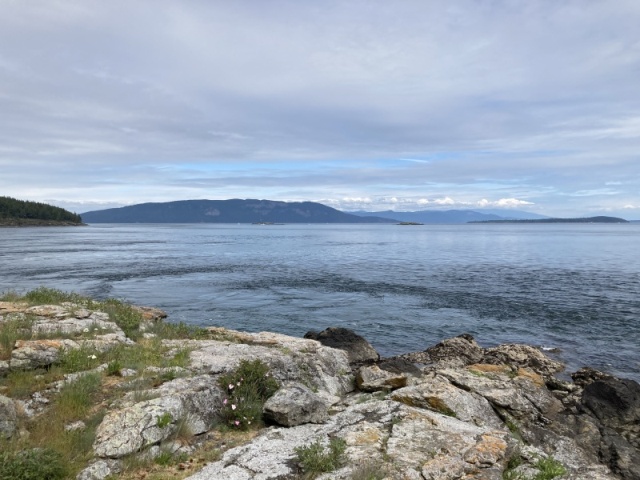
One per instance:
(133, 101)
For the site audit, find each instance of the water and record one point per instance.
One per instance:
(571, 287)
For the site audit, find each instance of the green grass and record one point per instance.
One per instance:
(549, 468)
(164, 420)
(247, 387)
(316, 459)
(32, 464)
(76, 398)
(16, 327)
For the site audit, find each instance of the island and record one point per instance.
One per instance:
(598, 219)
(21, 213)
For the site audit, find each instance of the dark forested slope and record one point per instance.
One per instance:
(20, 212)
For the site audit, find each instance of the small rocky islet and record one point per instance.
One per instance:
(168, 401)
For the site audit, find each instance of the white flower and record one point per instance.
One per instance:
(92, 357)
(86, 330)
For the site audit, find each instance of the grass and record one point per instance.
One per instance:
(369, 471)
(548, 468)
(315, 459)
(247, 387)
(32, 464)
(17, 327)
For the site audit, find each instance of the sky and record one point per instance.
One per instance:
(357, 104)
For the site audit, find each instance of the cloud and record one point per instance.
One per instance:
(121, 102)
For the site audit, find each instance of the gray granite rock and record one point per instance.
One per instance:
(8, 417)
(294, 404)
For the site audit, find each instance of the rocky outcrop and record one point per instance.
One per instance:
(357, 348)
(455, 410)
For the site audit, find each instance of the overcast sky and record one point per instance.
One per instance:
(375, 105)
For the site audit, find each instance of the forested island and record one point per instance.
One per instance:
(599, 219)
(18, 213)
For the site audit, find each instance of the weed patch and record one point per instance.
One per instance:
(33, 464)
(248, 387)
(315, 459)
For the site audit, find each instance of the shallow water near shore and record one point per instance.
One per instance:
(575, 288)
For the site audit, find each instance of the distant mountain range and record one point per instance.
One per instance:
(268, 211)
(227, 211)
(598, 219)
(452, 216)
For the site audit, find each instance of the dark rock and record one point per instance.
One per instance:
(399, 365)
(587, 375)
(357, 348)
(622, 457)
(615, 402)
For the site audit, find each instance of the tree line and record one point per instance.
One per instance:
(11, 208)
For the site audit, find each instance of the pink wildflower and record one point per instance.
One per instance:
(237, 422)
(224, 402)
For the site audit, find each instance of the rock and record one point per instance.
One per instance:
(4, 368)
(29, 354)
(440, 395)
(8, 417)
(357, 348)
(587, 375)
(615, 402)
(290, 359)
(100, 470)
(399, 365)
(72, 427)
(295, 404)
(407, 437)
(455, 352)
(192, 400)
(371, 378)
(522, 356)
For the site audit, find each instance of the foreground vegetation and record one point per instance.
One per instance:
(48, 449)
(20, 212)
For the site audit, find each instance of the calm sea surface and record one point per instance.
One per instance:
(571, 287)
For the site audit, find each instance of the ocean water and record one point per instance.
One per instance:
(574, 288)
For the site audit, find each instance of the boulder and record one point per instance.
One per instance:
(29, 354)
(130, 429)
(100, 470)
(615, 402)
(294, 404)
(8, 417)
(357, 348)
(371, 378)
(526, 356)
(455, 352)
(438, 394)
(399, 365)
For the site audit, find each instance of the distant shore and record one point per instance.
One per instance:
(600, 219)
(23, 222)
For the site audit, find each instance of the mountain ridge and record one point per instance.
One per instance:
(227, 211)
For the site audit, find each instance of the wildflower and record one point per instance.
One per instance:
(231, 386)
(238, 383)
(224, 402)
(86, 330)
(233, 407)
(92, 357)
(237, 422)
